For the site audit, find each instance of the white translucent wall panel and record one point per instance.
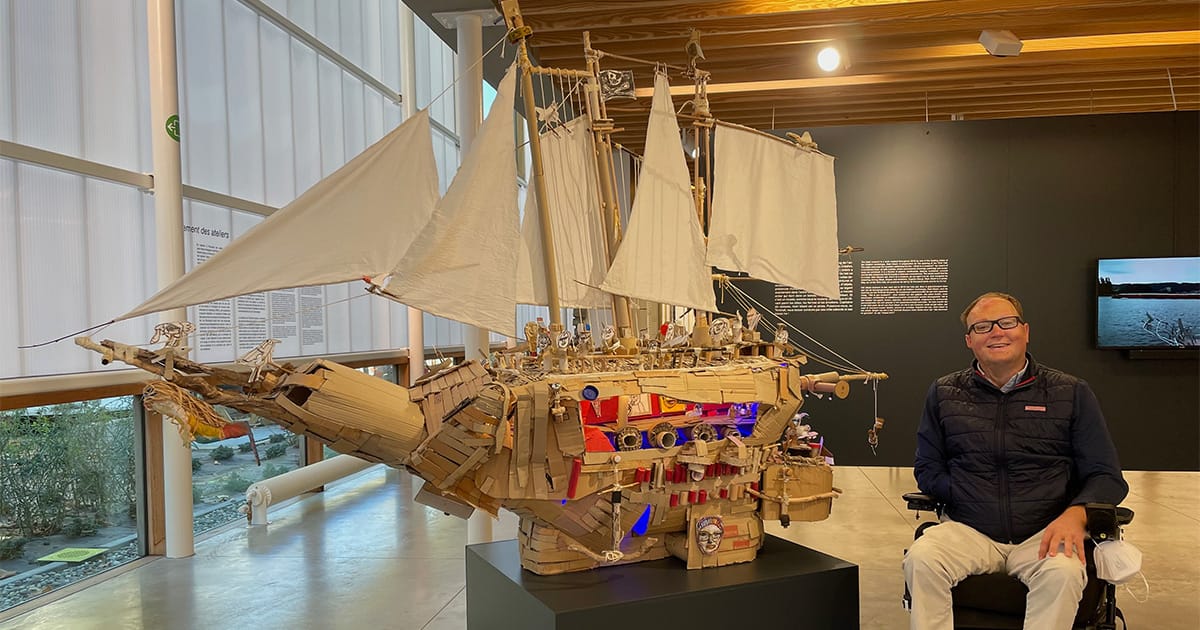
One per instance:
(362, 314)
(52, 255)
(202, 96)
(6, 75)
(352, 116)
(264, 117)
(435, 72)
(120, 260)
(69, 78)
(46, 77)
(392, 116)
(328, 27)
(397, 324)
(389, 44)
(306, 117)
(373, 120)
(10, 308)
(303, 13)
(243, 101)
(142, 85)
(445, 153)
(337, 318)
(279, 145)
(441, 332)
(364, 32)
(421, 37)
(109, 47)
(329, 93)
(350, 30)
(445, 104)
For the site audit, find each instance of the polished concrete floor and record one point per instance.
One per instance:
(363, 555)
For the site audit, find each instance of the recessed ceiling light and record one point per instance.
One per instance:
(829, 59)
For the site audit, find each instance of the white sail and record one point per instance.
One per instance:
(573, 200)
(661, 257)
(463, 265)
(357, 222)
(780, 224)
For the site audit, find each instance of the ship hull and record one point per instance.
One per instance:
(601, 467)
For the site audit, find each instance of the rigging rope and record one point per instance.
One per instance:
(467, 71)
(745, 299)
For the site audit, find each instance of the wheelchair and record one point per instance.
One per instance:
(996, 601)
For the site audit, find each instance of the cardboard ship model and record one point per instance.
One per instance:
(611, 450)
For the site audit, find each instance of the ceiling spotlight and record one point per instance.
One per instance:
(1000, 43)
(829, 59)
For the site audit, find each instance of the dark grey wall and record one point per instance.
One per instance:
(1026, 207)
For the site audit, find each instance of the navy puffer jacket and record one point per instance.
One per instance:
(1009, 463)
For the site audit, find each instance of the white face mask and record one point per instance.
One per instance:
(1117, 561)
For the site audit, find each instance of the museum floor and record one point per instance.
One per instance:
(363, 555)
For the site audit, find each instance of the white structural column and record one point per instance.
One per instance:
(168, 219)
(408, 102)
(469, 117)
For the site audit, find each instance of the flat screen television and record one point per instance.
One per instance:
(1148, 303)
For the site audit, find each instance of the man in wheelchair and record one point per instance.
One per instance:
(1012, 451)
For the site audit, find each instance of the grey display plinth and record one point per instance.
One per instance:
(788, 586)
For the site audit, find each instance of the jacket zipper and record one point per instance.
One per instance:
(1002, 467)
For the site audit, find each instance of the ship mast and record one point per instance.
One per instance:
(602, 128)
(517, 32)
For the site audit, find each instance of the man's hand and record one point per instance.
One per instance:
(1066, 530)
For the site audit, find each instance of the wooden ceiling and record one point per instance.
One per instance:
(909, 60)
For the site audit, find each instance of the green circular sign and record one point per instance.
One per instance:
(173, 127)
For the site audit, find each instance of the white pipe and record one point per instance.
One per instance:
(408, 102)
(260, 495)
(168, 219)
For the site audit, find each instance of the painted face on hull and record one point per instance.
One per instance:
(998, 349)
(709, 532)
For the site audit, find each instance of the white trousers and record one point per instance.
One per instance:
(949, 552)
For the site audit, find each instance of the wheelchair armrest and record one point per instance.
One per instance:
(921, 502)
(1105, 520)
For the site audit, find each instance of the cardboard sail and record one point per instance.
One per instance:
(780, 224)
(574, 204)
(662, 255)
(463, 264)
(356, 222)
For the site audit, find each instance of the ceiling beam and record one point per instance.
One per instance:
(568, 46)
(750, 15)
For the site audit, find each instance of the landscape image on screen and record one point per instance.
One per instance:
(1148, 303)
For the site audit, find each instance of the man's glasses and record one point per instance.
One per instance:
(1005, 323)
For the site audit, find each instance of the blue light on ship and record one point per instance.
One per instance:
(639, 528)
